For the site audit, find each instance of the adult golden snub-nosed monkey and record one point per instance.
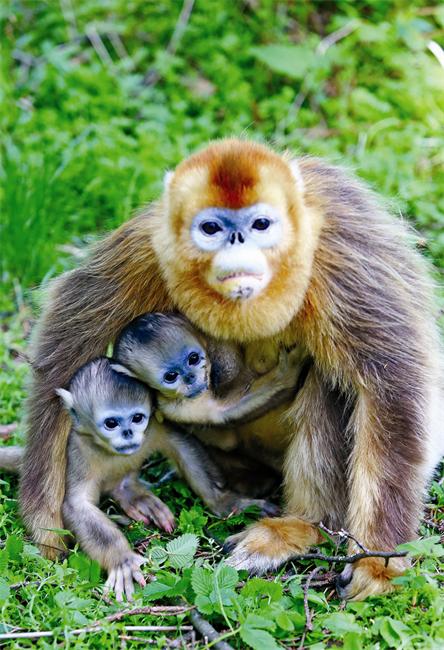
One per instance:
(252, 245)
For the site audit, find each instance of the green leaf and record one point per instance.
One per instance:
(292, 60)
(202, 581)
(4, 591)
(253, 620)
(155, 590)
(352, 641)
(393, 632)
(258, 639)
(284, 621)
(226, 576)
(158, 554)
(260, 587)
(181, 550)
(429, 546)
(341, 622)
(14, 547)
(204, 605)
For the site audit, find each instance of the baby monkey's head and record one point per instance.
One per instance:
(166, 352)
(110, 407)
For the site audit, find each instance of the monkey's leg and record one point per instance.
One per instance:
(387, 480)
(103, 541)
(314, 482)
(201, 473)
(142, 505)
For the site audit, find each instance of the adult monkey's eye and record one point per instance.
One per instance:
(210, 227)
(193, 359)
(170, 377)
(138, 418)
(111, 423)
(261, 224)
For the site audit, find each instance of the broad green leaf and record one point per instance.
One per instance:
(258, 639)
(155, 589)
(4, 590)
(254, 620)
(341, 622)
(422, 547)
(202, 581)
(260, 587)
(14, 547)
(291, 60)
(393, 632)
(181, 550)
(284, 621)
(226, 576)
(204, 605)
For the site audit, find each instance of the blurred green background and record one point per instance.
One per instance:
(98, 99)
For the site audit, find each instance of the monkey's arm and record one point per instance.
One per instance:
(102, 540)
(142, 505)
(85, 310)
(265, 393)
(11, 458)
(201, 473)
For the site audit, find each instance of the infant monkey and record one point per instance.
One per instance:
(107, 445)
(200, 381)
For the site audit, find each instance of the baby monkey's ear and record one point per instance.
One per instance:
(117, 367)
(67, 398)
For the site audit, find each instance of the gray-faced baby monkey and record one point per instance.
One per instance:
(203, 383)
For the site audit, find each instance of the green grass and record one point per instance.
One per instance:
(89, 125)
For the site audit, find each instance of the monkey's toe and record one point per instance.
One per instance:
(369, 577)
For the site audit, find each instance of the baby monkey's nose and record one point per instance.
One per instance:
(127, 433)
(189, 379)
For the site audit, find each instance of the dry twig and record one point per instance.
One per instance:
(207, 631)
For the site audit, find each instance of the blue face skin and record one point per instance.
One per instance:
(258, 226)
(185, 373)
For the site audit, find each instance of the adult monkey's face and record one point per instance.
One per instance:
(231, 237)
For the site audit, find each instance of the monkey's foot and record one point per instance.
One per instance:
(149, 508)
(51, 544)
(269, 543)
(122, 577)
(369, 577)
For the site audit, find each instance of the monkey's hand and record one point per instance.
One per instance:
(288, 368)
(142, 505)
(369, 577)
(121, 578)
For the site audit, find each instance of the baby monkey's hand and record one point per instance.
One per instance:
(121, 578)
(142, 505)
(289, 366)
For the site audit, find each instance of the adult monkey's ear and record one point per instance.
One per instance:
(67, 398)
(167, 179)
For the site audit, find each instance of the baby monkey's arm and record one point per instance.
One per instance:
(102, 540)
(245, 402)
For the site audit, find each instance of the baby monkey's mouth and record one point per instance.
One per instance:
(128, 449)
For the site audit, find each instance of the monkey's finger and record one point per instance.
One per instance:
(135, 514)
(118, 589)
(139, 577)
(128, 582)
(109, 584)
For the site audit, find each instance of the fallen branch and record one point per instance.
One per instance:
(348, 559)
(308, 613)
(99, 625)
(207, 631)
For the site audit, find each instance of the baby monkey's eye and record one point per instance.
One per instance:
(261, 224)
(138, 418)
(170, 376)
(111, 423)
(193, 359)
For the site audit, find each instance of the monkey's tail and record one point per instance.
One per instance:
(11, 458)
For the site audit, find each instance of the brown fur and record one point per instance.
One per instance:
(347, 285)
